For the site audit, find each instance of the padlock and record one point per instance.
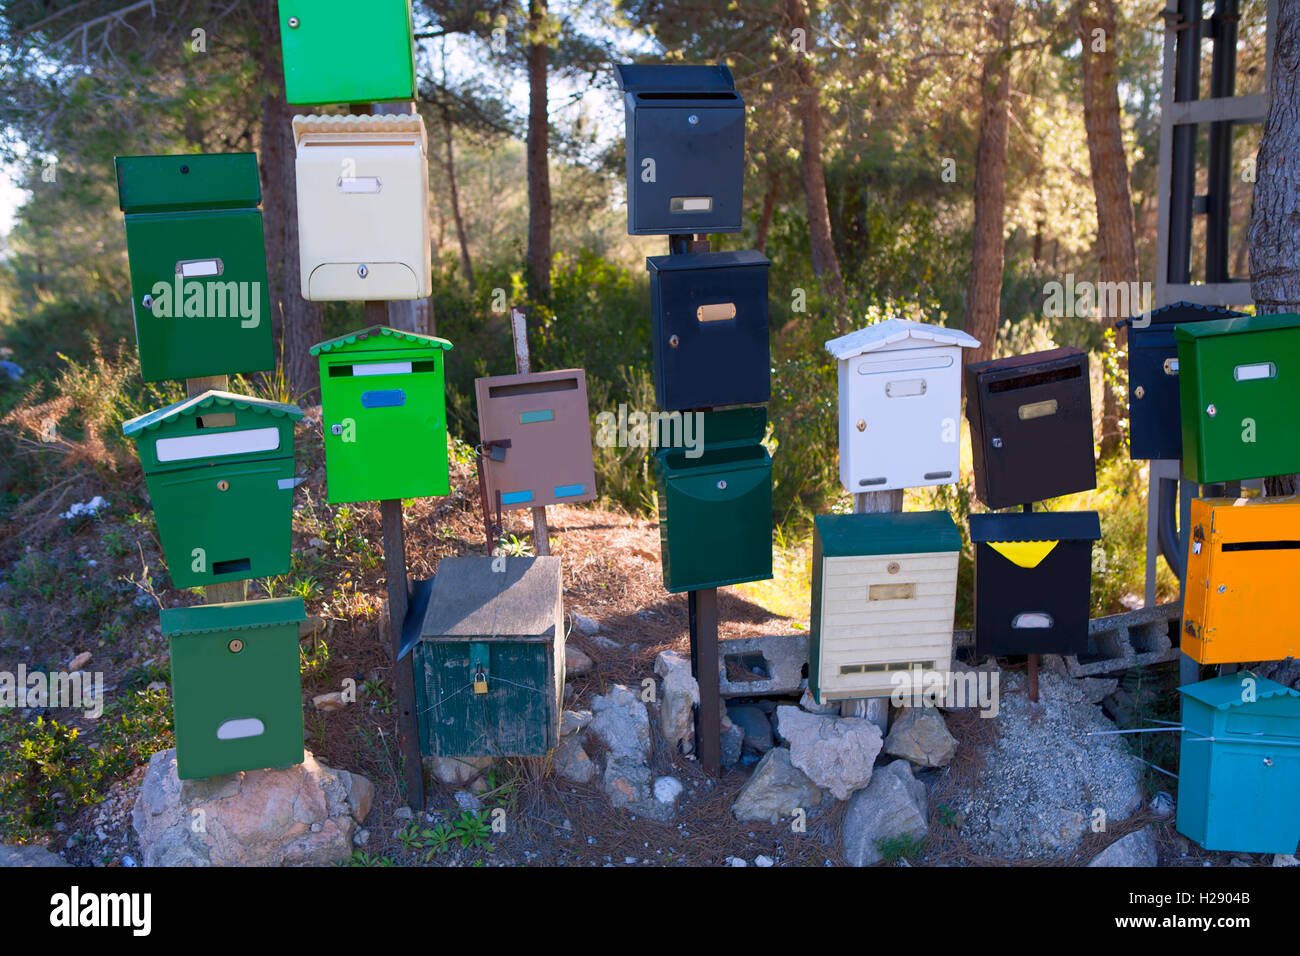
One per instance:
(480, 682)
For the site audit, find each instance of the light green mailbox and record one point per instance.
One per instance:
(237, 697)
(341, 51)
(220, 473)
(384, 414)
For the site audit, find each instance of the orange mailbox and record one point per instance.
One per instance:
(1242, 566)
(536, 437)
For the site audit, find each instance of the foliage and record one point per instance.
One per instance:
(902, 847)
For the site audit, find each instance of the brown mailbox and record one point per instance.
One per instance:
(536, 436)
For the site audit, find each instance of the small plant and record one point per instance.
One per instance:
(438, 840)
(947, 815)
(313, 662)
(473, 830)
(359, 858)
(378, 695)
(410, 837)
(515, 547)
(903, 847)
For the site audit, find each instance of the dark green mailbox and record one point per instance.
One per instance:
(715, 503)
(236, 696)
(1238, 389)
(219, 468)
(198, 264)
(384, 412)
(339, 51)
(489, 664)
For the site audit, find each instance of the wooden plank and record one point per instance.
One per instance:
(408, 741)
(226, 591)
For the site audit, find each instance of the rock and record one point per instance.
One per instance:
(605, 643)
(467, 801)
(1096, 689)
(456, 771)
(732, 743)
(572, 721)
(1162, 804)
(572, 763)
(586, 625)
(920, 736)
(893, 805)
(80, 661)
(756, 725)
(769, 664)
(329, 702)
(478, 785)
(836, 753)
(30, 856)
(736, 861)
(403, 813)
(361, 837)
(775, 790)
(627, 782)
(312, 626)
(679, 696)
(305, 814)
(809, 703)
(621, 721)
(1279, 859)
(763, 861)
(1136, 849)
(668, 789)
(576, 662)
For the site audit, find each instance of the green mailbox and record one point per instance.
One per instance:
(198, 264)
(489, 662)
(715, 501)
(219, 468)
(384, 415)
(339, 51)
(1238, 387)
(236, 696)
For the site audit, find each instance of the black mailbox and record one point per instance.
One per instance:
(710, 329)
(1033, 581)
(1031, 427)
(1155, 428)
(685, 149)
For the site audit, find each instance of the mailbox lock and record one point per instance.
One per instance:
(674, 341)
(862, 424)
(722, 484)
(1211, 411)
(293, 23)
(236, 646)
(1268, 761)
(1139, 392)
(997, 443)
(185, 170)
(336, 429)
(223, 485)
(894, 567)
(147, 302)
(362, 271)
(693, 119)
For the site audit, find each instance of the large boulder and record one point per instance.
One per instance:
(620, 720)
(30, 856)
(892, 806)
(920, 735)
(836, 753)
(775, 790)
(756, 725)
(305, 814)
(1134, 849)
(572, 763)
(677, 702)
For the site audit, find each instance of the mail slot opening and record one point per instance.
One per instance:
(186, 447)
(690, 204)
(891, 592)
(875, 366)
(937, 475)
(868, 482)
(200, 268)
(230, 567)
(1258, 370)
(1036, 378)
(688, 96)
(240, 727)
(1037, 410)
(382, 368)
(1261, 545)
(215, 420)
(533, 388)
(1031, 620)
(747, 667)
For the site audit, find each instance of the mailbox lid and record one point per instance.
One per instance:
(342, 52)
(187, 181)
(673, 78)
(211, 428)
(232, 616)
(732, 438)
(473, 600)
(1159, 331)
(909, 532)
(377, 338)
(897, 334)
(1036, 526)
(1228, 691)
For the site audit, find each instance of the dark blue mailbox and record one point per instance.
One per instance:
(1155, 429)
(685, 149)
(710, 329)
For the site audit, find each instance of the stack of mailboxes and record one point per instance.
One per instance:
(885, 585)
(219, 467)
(685, 177)
(1238, 385)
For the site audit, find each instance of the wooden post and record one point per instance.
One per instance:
(523, 365)
(225, 591)
(874, 709)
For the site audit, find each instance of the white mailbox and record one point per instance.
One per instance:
(900, 405)
(363, 207)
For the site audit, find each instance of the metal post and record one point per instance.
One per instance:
(702, 608)
(523, 365)
(874, 709)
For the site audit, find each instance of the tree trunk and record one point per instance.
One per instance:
(984, 291)
(825, 261)
(298, 322)
(539, 177)
(1275, 214)
(769, 207)
(453, 195)
(1116, 245)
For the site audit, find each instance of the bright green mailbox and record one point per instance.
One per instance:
(236, 696)
(715, 501)
(198, 264)
(384, 413)
(340, 51)
(1239, 387)
(219, 468)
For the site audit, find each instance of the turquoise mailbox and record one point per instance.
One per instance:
(1239, 765)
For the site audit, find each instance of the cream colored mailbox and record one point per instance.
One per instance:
(900, 405)
(363, 207)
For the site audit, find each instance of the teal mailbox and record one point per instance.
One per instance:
(1239, 765)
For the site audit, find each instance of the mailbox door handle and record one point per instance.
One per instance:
(384, 398)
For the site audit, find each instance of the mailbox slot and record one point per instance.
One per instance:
(337, 52)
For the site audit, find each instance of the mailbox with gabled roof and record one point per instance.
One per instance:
(220, 473)
(384, 415)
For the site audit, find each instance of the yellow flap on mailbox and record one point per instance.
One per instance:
(1026, 554)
